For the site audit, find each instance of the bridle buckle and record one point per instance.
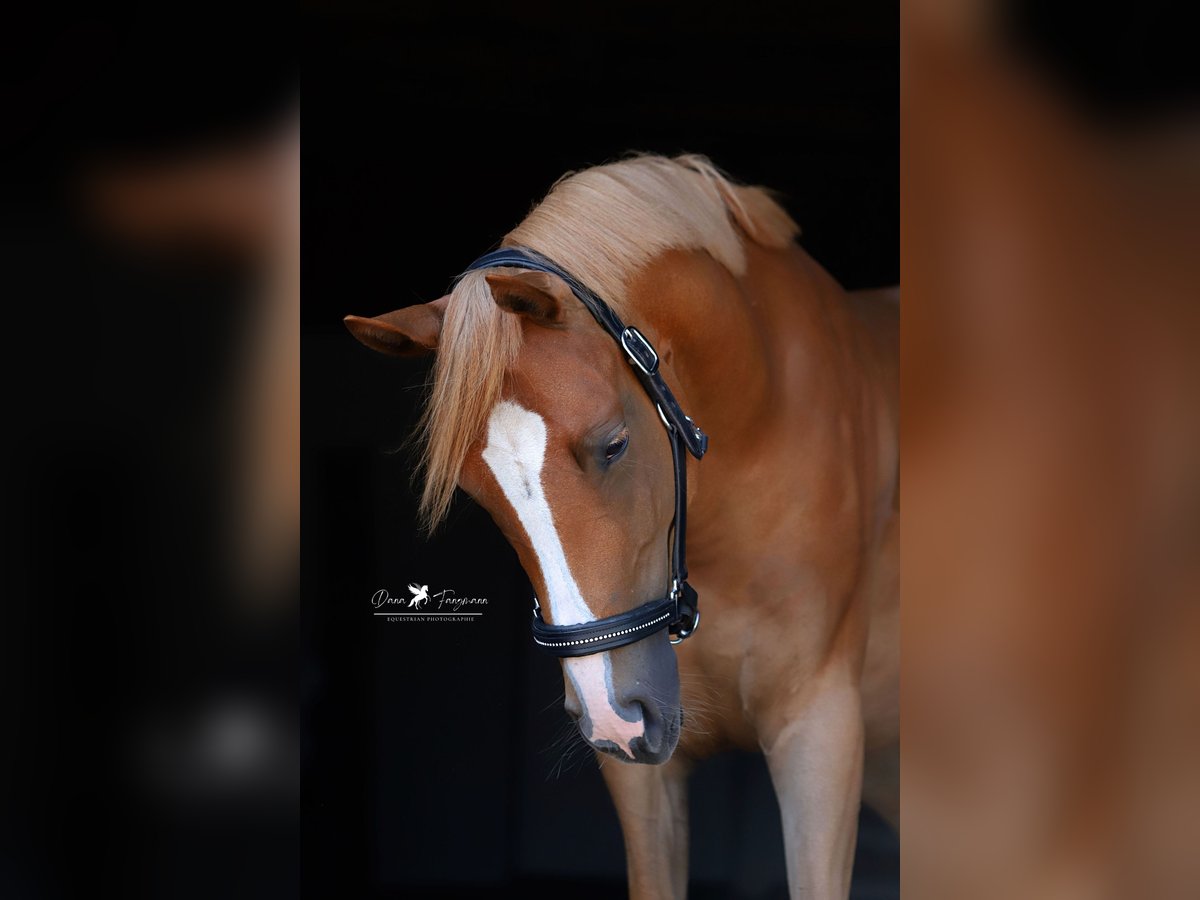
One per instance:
(639, 350)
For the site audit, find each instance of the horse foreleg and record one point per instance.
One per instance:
(651, 803)
(816, 761)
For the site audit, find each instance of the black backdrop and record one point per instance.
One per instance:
(432, 760)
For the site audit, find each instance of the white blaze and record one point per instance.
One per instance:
(515, 452)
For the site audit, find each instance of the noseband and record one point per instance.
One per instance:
(679, 610)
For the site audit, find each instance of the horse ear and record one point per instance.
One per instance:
(537, 295)
(412, 331)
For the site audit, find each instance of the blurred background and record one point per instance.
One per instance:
(1050, 356)
(149, 267)
(438, 759)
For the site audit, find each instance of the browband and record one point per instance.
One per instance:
(679, 610)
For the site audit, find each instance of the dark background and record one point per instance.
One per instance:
(433, 759)
(125, 635)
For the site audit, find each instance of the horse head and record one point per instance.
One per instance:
(575, 468)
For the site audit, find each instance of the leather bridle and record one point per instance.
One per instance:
(679, 610)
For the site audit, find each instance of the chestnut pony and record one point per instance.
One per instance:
(792, 514)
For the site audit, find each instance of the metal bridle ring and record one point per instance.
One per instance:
(684, 635)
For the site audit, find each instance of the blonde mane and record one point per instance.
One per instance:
(603, 225)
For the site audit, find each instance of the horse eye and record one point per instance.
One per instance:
(616, 448)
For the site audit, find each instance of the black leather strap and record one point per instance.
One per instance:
(603, 634)
(679, 610)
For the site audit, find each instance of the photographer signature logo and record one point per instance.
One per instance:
(423, 606)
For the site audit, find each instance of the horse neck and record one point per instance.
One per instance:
(778, 370)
